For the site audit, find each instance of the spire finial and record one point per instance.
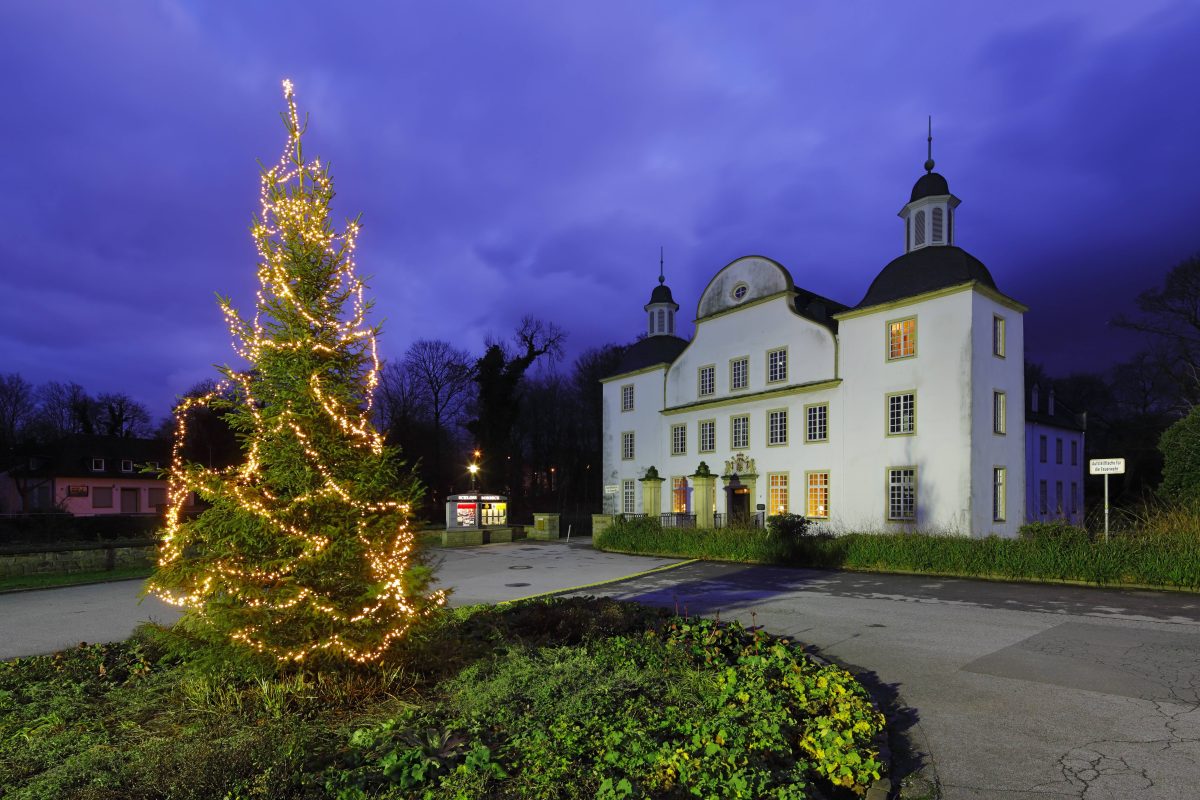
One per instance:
(929, 141)
(661, 279)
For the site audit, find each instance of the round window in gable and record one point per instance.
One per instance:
(739, 292)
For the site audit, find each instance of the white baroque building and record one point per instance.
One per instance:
(903, 412)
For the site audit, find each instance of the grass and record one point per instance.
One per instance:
(20, 582)
(1159, 548)
(561, 698)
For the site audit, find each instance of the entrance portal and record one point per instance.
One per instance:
(737, 502)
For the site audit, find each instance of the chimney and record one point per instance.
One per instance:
(1033, 399)
(1050, 404)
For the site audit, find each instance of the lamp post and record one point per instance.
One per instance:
(473, 469)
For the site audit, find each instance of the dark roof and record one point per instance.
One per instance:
(930, 184)
(661, 294)
(1063, 417)
(817, 308)
(926, 270)
(72, 456)
(648, 352)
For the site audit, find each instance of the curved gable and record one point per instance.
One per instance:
(760, 276)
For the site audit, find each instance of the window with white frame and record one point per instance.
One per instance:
(708, 380)
(97, 465)
(999, 346)
(708, 436)
(739, 432)
(126, 465)
(999, 502)
(627, 446)
(818, 495)
(999, 412)
(627, 397)
(902, 413)
(627, 496)
(902, 338)
(777, 492)
(777, 427)
(678, 439)
(739, 373)
(816, 427)
(902, 493)
(777, 365)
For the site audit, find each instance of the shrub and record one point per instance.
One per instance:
(1180, 447)
(1054, 530)
(790, 526)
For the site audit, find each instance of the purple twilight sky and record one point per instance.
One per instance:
(511, 158)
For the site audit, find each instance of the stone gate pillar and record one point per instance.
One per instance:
(703, 487)
(652, 494)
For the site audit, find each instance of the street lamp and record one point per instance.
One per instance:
(473, 469)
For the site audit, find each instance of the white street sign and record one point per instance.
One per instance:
(1106, 466)
(611, 488)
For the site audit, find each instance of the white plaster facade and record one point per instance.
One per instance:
(961, 366)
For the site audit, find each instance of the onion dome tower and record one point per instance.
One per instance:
(660, 311)
(931, 259)
(929, 214)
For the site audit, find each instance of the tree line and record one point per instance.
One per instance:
(39, 414)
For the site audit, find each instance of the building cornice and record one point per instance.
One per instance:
(766, 394)
(983, 289)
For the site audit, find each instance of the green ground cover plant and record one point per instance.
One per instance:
(544, 699)
(1159, 548)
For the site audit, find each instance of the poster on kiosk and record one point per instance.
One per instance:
(476, 511)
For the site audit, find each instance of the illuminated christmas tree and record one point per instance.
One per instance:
(305, 550)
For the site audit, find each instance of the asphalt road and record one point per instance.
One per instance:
(1000, 690)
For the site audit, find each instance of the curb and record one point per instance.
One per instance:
(80, 583)
(570, 589)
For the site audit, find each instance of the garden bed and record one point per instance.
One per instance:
(561, 698)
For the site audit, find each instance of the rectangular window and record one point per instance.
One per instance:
(999, 493)
(708, 380)
(1058, 450)
(126, 465)
(998, 344)
(1058, 498)
(902, 338)
(1042, 497)
(739, 373)
(678, 440)
(102, 497)
(818, 495)
(777, 427)
(902, 493)
(679, 495)
(627, 397)
(708, 436)
(1074, 453)
(816, 428)
(1074, 498)
(777, 365)
(1042, 451)
(156, 497)
(627, 446)
(97, 465)
(739, 432)
(902, 413)
(999, 412)
(627, 496)
(777, 492)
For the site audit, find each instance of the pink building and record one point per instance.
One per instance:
(87, 476)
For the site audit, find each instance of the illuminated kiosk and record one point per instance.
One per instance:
(471, 516)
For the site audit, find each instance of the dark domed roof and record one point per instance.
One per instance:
(661, 294)
(926, 270)
(650, 351)
(929, 185)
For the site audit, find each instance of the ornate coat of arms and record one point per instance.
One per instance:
(740, 465)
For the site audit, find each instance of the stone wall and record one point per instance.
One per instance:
(81, 557)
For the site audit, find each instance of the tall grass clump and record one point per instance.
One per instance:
(1158, 546)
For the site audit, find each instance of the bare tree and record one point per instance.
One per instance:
(17, 407)
(65, 408)
(121, 415)
(440, 378)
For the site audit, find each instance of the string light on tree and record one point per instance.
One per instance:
(304, 550)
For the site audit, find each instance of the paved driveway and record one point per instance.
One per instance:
(1012, 691)
(1005, 690)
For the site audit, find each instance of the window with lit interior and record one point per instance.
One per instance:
(902, 338)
